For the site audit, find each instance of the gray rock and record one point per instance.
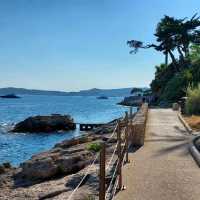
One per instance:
(45, 124)
(132, 101)
(56, 162)
(5, 167)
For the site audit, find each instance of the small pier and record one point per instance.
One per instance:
(88, 127)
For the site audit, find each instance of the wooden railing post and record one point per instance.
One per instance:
(131, 112)
(102, 174)
(126, 137)
(119, 153)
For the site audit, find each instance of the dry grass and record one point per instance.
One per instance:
(193, 121)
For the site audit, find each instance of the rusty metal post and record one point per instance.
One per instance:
(119, 153)
(102, 182)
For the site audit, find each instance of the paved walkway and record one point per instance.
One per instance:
(163, 169)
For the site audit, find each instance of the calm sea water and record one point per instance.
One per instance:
(17, 147)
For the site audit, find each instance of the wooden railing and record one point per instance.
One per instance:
(109, 185)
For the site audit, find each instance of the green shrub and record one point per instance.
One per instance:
(193, 100)
(89, 197)
(175, 88)
(94, 147)
(169, 86)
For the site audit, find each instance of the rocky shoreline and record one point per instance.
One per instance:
(55, 173)
(135, 101)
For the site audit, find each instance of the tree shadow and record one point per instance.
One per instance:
(185, 152)
(180, 142)
(134, 148)
(180, 130)
(166, 140)
(183, 136)
(170, 149)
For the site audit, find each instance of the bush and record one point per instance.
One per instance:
(169, 86)
(176, 87)
(94, 147)
(193, 101)
(89, 197)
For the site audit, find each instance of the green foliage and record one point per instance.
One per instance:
(96, 147)
(162, 75)
(89, 197)
(147, 92)
(194, 52)
(169, 85)
(173, 37)
(195, 70)
(193, 100)
(175, 87)
(134, 90)
(180, 39)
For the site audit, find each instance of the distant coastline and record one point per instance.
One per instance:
(122, 92)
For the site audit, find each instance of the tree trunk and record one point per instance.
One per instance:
(174, 61)
(181, 54)
(166, 58)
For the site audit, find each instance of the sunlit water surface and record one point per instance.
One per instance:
(17, 147)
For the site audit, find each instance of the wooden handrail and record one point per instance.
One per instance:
(119, 154)
(102, 186)
(122, 153)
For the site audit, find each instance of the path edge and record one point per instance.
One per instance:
(185, 124)
(192, 147)
(194, 151)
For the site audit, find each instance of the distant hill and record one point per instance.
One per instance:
(23, 91)
(92, 92)
(102, 92)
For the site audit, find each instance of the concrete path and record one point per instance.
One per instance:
(162, 169)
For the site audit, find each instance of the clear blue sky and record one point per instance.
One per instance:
(80, 44)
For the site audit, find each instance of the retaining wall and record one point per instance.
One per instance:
(138, 125)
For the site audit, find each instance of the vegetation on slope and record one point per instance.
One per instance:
(193, 121)
(178, 39)
(193, 100)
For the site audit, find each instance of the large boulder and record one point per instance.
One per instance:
(56, 162)
(50, 123)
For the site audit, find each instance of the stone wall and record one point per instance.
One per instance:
(137, 128)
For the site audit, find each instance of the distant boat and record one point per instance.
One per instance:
(102, 97)
(10, 96)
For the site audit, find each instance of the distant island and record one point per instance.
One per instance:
(102, 97)
(10, 96)
(122, 92)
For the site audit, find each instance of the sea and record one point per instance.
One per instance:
(18, 147)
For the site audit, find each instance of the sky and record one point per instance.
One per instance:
(71, 45)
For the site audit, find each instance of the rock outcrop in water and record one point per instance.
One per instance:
(46, 124)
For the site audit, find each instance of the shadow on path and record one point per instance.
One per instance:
(181, 146)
